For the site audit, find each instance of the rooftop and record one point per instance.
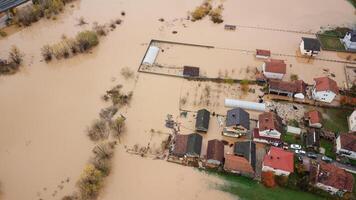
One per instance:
(180, 147)
(194, 144)
(275, 66)
(8, 4)
(326, 84)
(215, 150)
(331, 175)
(295, 86)
(348, 141)
(238, 116)
(312, 138)
(237, 163)
(311, 44)
(202, 120)
(313, 116)
(278, 158)
(246, 149)
(268, 121)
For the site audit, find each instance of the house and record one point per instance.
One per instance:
(202, 120)
(274, 69)
(312, 139)
(262, 139)
(238, 165)
(295, 89)
(189, 71)
(215, 153)
(279, 161)
(246, 149)
(194, 144)
(313, 118)
(237, 122)
(309, 46)
(324, 89)
(270, 125)
(352, 121)
(346, 145)
(349, 40)
(331, 178)
(180, 145)
(264, 54)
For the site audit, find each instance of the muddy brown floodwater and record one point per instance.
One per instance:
(45, 108)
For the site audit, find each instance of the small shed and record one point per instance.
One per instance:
(309, 46)
(229, 27)
(151, 55)
(180, 145)
(189, 71)
(294, 130)
(202, 120)
(215, 152)
(261, 53)
(194, 145)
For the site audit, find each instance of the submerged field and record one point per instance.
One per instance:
(46, 108)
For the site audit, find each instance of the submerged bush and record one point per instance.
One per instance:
(15, 55)
(87, 40)
(215, 15)
(46, 52)
(90, 182)
(98, 130)
(117, 126)
(117, 97)
(201, 11)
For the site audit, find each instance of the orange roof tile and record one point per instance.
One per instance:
(278, 158)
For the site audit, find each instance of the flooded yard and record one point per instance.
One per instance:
(47, 107)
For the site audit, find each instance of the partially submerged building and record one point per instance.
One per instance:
(270, 125)
(309, 46)
(238, 165)
(331, 178)
(190, 71)
(202, 120)
(313, 118)
(264, 54)
(194, 145)
(278, 161)
(237, 123)
(246, 149)
(349, 41)
(215, 153)
(151, 55)
(324, 89)
(346, 145)
(263, 139)
(274, 69)
(180, 145)
(295, 89)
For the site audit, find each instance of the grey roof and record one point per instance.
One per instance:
(238, 116)
(194, 144)
(202, 121)
(8, 4)
(353, 35)
(312, 138)
(311, 44)
(246, 149)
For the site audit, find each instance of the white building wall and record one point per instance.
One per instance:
(275, 171)
(271, 133)
(324, 96)
(352, 121)
(347, 42)
(344, 152)
(304, 52)
(327, 188)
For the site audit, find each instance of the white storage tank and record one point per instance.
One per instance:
(151, 55)
(248, 105)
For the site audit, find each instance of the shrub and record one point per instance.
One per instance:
(215, 15)
(281, 180)
(46, 52)
(293, 122)
(3, 33)
(87, 40)
(104, 151)
(108, 113)
(90, 182)
(201, 11)
(15, 55)
(268, 179)
(294, 77)
(99, 29)
(98, 130)
(127, 73)
(118, 126)
(244, 85)
(117, 97)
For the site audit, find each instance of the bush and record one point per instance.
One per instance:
(294, 77)
(99, 29)
(117, 97)
(3, 33)
(201, 11)
(293, 122)
(268, 179)
(46, 52)
(15, 55)
(87, 40)
(281, 180)
(244, 85)
(127, 73)
(98, 130)
(215, 15)
(118, 126)
(90, 182)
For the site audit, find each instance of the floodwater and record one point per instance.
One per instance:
(46, 108)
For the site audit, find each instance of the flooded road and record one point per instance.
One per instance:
(46, 108)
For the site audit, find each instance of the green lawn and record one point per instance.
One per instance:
(330, 43)
(329, 148)
(291, 138)
(336, 120)
(247, 189)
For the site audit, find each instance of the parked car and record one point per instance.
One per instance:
(295, 146)
(312, 155)
(326, 159)
(297, 151)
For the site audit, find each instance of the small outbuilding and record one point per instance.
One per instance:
(237, 122)
(246, 149)
(189, 71)
(349, 41)
(264, 54)
(202, 120)
(309, 46)
(274, 69)
(215, 153)
(180, 145)
(313, 118)
(151, 55)
(194, 145)
(295, 89)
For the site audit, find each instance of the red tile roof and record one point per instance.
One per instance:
(348, 141)
(268, 121)
(326, 83)
(293, 87)
(263, 52)
(277, 158)
(237, 163)
(215, 150)
(276, 66)
(180, 147)
(331, 175)
(313, 116)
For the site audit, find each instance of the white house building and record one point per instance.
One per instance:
(313, 118)
(352, 121)
(309, 46)
(274, 69)
(346, 145)
(270, 125)
(349, 41)
(278, 161)
(324, 89)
